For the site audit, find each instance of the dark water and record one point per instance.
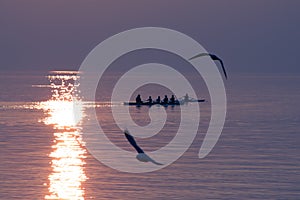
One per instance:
(256, 157)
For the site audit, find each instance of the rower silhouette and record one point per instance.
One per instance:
(158, 99)
(166, 100)
(150, 100)
(172, 100)
(138, 99)
(186, 97)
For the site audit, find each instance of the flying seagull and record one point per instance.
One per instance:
(141, 154)
(213, 57)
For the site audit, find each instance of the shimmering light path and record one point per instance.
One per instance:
(68, 155)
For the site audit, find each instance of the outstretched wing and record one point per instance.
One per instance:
(213, 57)
(199, 55)
(132, 141)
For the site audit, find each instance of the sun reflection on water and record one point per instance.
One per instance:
(64, 113)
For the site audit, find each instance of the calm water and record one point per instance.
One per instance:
(42, 155)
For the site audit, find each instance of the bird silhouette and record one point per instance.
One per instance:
(141, 156)
(213, 57)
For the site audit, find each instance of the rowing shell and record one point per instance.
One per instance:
(132, 103)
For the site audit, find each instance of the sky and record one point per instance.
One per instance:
(249, 35)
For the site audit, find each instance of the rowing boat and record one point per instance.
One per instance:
(131, 103)
(177, 102)
(193, 100)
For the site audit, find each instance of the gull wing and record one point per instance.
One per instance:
(132, 141)
(199, 55)
(213, 57)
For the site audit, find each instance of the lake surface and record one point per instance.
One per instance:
(43, 154)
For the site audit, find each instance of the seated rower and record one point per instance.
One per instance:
(166, 100)
(186, 97)
(172, 100)
(158, 99)
(150, 100)
(138, 99)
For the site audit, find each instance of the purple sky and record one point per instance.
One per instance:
(249, 35)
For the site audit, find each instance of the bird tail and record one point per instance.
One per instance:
(153, 161)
